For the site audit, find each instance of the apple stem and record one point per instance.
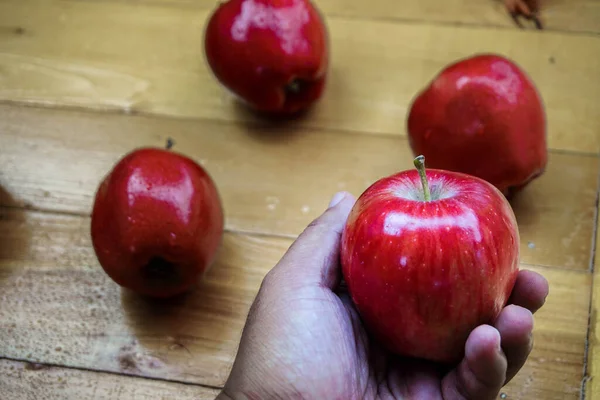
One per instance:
(170, 144)
(420, 165)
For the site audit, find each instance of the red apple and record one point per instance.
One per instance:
(427, 258)
(274, 55)
(157, 222)
(484, 117)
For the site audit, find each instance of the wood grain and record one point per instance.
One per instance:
(58, 307)
(556, 363)
(68, 331)
(30, 381)
(94, 55)
(562, 15)
(592, 373)
(285, 175)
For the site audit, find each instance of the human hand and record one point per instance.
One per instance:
(304, 339)
(527, 8)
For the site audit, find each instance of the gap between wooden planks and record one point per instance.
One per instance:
(58, 307)
(27, 381)
(272, 180)
(148, 58)
(591, 383)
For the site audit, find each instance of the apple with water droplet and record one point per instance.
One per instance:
(482, 116)
(273, 55)
(428, 256)
(157, 222)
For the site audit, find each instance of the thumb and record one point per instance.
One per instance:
(313, 258)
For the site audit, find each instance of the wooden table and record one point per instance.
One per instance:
(84, 82)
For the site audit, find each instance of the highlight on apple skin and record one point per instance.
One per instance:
(428, 256)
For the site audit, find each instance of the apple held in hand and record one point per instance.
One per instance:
(428, 259)
(484, 117)
(157, 222)
(272, 54)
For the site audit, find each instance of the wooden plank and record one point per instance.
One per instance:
(28, 381)
(285, 175)
(75, 315)
(572, 16)
(592, 378)
(58, 307)
(93, 54)
(555, 367)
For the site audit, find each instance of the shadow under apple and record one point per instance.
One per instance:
(6, 199)
(15, 233)
(190, 333)
(267, 127)
(523, 206)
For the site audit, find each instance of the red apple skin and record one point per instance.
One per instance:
(423, 275)
(484, 117)
(156, 205)
(258, 48)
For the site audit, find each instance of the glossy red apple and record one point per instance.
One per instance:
(484, 117)
(157, 222)
(424, 271)
(273, 54)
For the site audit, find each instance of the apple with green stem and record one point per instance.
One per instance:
(427, 257)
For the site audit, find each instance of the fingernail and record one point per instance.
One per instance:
(335, 200)
(498, 343)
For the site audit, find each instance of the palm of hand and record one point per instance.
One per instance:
(313, 339)
(364, 369)
(302, 340)
(342, 362)
(326, 337)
